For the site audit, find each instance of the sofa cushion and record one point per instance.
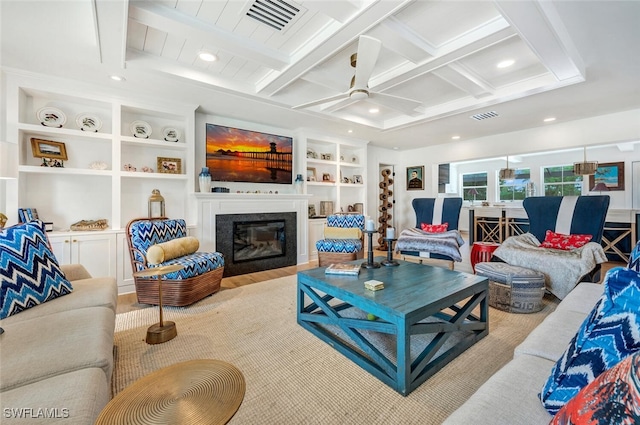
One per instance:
(564, 242)
(72, 398)
(348, 246)
(55, 344)
(550, 338)
(176, 248)
(610, 333)
(613, 397)
(502, 399)
(87, 293)
(29, 271)
(634, 259)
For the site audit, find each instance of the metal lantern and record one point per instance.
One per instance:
(156, 204)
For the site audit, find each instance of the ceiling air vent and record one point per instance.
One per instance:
(274, 13)
(484, 115)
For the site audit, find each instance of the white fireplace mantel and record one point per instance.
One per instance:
(212, 204)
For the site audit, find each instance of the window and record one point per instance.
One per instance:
(560, 181)
(477, 181)
(516, 189)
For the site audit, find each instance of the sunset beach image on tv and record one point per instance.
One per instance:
(236, 155)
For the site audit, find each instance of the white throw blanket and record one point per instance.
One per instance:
(562, 269)
(446, 243)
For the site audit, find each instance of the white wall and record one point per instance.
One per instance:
(622, 128)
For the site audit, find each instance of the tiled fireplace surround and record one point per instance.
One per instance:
(211, 205)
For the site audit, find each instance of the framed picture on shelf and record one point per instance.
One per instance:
(169, 165)
(327, 156)
(311, 174)
(415, 176)
(326, 177)
(48, 149)
(611, 174)
(357, 178)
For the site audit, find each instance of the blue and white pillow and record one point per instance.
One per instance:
(29, 271)
(609, 334)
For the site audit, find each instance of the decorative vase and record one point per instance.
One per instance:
(298, 184)
(204, 178)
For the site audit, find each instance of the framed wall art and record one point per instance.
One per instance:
(415, 178)
(169, 165)
(611, 174)
(48, 149)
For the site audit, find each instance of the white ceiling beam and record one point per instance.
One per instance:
(407, 42)
(541, 28)
(175, 22)
(112, 18)
(463, 78)
(321, 48)
(447, 54)
(146, 62)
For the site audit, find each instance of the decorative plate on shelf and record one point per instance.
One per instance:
(141, 129)
(89, 122)
(171, 134)
(51, 117)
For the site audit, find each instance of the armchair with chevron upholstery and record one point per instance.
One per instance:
(343, 239)
(161, 242)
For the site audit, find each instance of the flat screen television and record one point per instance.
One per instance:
(236, 155)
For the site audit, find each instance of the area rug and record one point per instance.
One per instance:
(294, 378)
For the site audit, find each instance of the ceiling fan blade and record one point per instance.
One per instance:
(402, 104)
(321, 101)
(339, 105)
(368, 51)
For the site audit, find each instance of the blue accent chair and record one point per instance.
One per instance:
(436, 211)
(568, 215)
(340, 250)
(200, 277)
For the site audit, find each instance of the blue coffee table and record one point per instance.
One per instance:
(424, 318)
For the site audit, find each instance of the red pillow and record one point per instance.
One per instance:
(434, 228)
(565, 242)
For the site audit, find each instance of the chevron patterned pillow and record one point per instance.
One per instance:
(29, 271)
(610, 333)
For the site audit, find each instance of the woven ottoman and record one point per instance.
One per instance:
(512, 288)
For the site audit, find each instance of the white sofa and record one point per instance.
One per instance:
(57, 357)
(510, 396)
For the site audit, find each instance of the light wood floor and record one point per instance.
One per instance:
(128, 302)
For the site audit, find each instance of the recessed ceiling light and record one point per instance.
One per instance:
(455, 137)
(207, 56)
(395, 148)
(506, 63)
(117, 78)
(350, 131)
(374, 110)
(549, 119)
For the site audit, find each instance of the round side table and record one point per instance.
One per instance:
(482, 252)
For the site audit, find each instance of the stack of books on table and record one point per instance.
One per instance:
(348, 269)
(373, 285)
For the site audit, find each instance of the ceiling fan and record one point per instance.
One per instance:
(364, 61)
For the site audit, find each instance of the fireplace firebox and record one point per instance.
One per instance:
(255, 242)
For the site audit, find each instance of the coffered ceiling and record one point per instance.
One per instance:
(423, 69)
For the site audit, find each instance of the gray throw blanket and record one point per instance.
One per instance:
(446, 243)
(562, 269)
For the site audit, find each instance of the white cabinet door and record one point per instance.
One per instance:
(96, 252)
(316, 232)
